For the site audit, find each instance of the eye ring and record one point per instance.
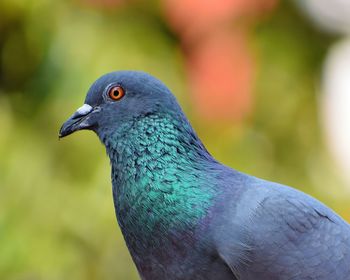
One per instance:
(116, 93)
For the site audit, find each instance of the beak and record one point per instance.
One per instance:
(81, 119)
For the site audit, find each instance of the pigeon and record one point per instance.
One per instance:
(183, 214)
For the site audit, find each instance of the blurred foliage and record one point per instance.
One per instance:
(56, 212)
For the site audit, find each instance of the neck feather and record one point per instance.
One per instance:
(159, 178)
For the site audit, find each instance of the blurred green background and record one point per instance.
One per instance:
(56, 213)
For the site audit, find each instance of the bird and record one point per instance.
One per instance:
(183, 214)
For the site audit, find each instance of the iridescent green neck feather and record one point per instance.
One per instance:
(157, 183)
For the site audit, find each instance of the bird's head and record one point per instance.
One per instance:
(120, 97)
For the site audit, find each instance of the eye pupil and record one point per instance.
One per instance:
(116, 93)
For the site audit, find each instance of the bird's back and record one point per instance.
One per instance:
(283, 234)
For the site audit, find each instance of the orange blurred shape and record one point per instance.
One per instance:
(197, 15)
(219, 64)
(221, 72)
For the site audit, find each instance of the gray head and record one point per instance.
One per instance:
(119, 97)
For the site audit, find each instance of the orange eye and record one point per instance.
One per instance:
(116, 93)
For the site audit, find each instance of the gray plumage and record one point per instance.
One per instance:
(186, 216)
